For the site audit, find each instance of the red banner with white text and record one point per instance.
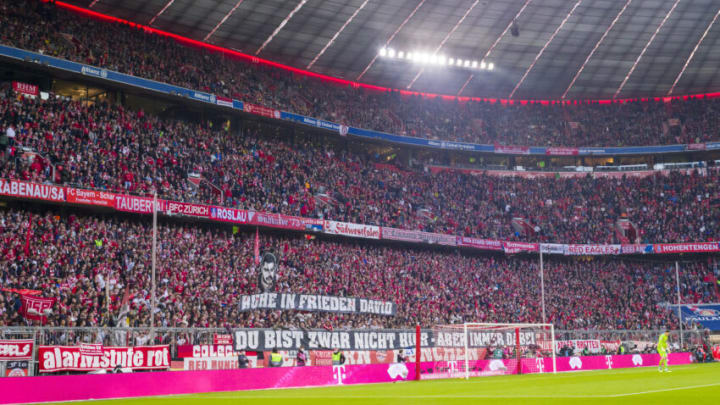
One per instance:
(484, 244)
(282, 221)
(69, 358)
(16, 349)
(517, 247)
(261, 110)
(697, 247)
(193, 210)
(90, 197)
(138, 205)
(198, 351)
(26, 88)
(556, 151)
(36, 308)
(15, 188)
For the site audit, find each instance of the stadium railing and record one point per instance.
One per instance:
(597, 341)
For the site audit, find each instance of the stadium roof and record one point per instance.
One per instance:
(578, 48)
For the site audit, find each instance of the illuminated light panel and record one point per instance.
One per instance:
(222, 21)
(332, 40)
(280, 27)
(602, 38)
(652, 38)
(497, 40)
(537, 57)
(390, 39)
(169, 3)
(442, 43)
(692, 54)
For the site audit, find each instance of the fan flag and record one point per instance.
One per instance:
(36, 308)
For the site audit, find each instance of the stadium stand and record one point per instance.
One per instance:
(97, 268)
(105, 146)
(43, 28)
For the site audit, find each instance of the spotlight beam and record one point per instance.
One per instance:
(280, 27)
(222, 21)
(506, 29)
(152, 20)
(442, 43)
(652, 38)
(537, 57)
(372, 62)
(497, 40)
(465, 85)
(597, 45)
(332, 40)
(692, 54)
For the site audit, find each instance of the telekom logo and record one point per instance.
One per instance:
(609, 362)
(540, 365)
(339, 374)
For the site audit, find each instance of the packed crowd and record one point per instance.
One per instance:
(98, 268)
(109, 147)
(44, 28)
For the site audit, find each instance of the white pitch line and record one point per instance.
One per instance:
(463, 396)
(689, 387)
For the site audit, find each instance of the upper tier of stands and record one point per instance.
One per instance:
(106, 146)
(41, 27)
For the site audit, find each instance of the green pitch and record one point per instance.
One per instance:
(686, 385)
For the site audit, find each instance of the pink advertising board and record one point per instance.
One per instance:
(586, 363)
(86, 386)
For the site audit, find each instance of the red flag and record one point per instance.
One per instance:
(257, 246)
(21, 291)
(27, 237)
(36, 308)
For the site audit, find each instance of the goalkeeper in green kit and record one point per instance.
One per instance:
(663, 351)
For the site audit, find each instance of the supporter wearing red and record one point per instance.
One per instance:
(202, 271)
(44, 28)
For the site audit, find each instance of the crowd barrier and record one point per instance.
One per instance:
(107, 386)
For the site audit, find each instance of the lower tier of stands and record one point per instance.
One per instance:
(97, 267)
